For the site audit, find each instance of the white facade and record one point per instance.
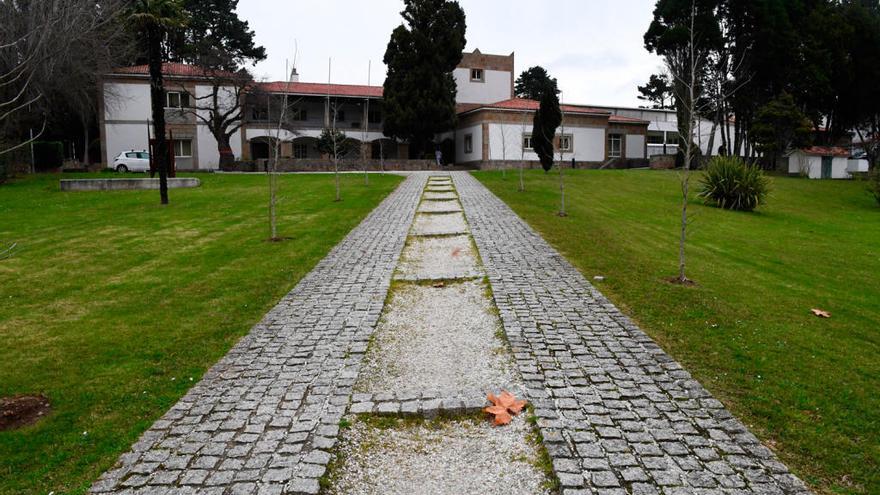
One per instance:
(126, 124)
(469, 144)
(808, 165)
(495, 86)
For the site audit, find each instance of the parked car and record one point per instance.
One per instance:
(132, 161)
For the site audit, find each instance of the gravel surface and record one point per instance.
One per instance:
(434, 458)
(440, 195)
(432, 258)
(440, 339)
(439, 224)
(439, 206)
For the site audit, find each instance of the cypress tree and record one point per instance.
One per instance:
(419, 97)
(547, 119)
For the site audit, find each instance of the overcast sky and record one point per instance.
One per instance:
(593, 47)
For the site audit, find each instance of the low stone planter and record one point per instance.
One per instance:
(125, 184)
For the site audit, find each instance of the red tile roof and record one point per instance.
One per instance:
(626, 120)
(322, 89)
(168, 69)
(532, 105)
(825, 151)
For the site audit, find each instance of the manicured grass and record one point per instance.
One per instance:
(808, 387)
(113, 306)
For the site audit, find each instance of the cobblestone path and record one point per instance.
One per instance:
(263, 419)
(617, 414)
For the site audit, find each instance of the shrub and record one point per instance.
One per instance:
(874, 183)
(732, 184)
(48, 155)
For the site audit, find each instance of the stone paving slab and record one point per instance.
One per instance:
(265, 417)
(617, 414)
(438, 258)
(440, 195)
(451, 206)
(439, 224)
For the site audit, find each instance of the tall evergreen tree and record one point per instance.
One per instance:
(779, 126)
(419, 98)
(531, 83)
(546, 121)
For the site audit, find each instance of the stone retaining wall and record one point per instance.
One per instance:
(125, 184)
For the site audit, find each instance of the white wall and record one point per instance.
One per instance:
(588, 143)
(635, 146)
(811, 166)
(121, 137)
(494, 88)
(477, 152)
(126, 101)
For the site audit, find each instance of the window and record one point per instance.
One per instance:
(655, 138)
(300, 150)
(477, 75)
(672, 138)
(375, 116)
(143, 155)
(527, 141)
(183, 147)
(565, 142)
(177, 99)
(299, 114)
(259, 114)
(340, 115)
(614, 146)
(131, 155)
(468, 143)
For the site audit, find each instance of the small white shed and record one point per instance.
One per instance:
(819, 162)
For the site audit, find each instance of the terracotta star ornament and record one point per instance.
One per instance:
(503, 406)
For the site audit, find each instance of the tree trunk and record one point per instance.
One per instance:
(227, 158)
(157, 101)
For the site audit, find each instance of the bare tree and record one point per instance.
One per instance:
(562, 212)
(52, 55)
(522, 152)
(366, 127)
(222, 108)
(504, 133)
(272, 169)
(684, 65)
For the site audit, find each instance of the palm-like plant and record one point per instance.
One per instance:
(152, 19)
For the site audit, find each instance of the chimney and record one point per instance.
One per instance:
(294, 75)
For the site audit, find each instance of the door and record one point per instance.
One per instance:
(826, 167)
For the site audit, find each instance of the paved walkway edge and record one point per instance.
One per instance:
(617, 414)
(264, 419)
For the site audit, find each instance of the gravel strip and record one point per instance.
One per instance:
(433, 258)
(438, 458)
(439, 224)
(437, 338)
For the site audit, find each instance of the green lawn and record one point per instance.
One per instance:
(113, 306)
(808, 387)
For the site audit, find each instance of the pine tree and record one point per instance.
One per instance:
(532, 82)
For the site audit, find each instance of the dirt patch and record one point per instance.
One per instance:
(22, 410)
(677, 281)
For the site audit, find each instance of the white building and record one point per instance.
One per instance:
(494, 127)
(820, 162)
